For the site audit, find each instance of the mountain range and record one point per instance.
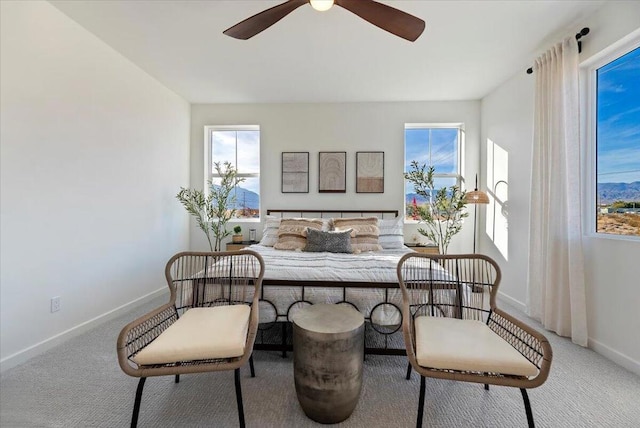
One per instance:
(245, 198)
(612, 192)
(608, 193)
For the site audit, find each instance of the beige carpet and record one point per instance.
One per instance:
(79, 384)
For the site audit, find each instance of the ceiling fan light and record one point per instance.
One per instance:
(321, 5)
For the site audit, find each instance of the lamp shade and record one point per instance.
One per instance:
(476, 197)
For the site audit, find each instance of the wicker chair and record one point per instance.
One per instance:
(453, 329)
(209, 323)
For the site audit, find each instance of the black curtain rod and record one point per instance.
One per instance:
(579, 35)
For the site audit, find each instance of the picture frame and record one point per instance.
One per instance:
(332, 167)
(295, 172)
(369, 172)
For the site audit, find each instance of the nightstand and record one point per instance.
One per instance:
(426, 249)
(235, 246)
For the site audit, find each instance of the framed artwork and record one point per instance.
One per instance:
(333, 172)
(295, 172)
(369, 172)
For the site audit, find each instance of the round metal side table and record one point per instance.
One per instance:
(328, 350)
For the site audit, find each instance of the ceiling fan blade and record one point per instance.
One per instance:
(386, 17)
(263, 20)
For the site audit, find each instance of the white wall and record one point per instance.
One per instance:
(612, 268)
(93, 152)
(507, 121)
(349, 127)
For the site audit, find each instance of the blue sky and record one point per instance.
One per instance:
(435, 146)
(619, 120)
(245, 144)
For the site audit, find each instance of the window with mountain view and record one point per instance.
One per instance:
(618, 145)
(240, 146)
(432, 145)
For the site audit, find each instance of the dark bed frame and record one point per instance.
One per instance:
(383, 340)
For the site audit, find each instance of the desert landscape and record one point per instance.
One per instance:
(619, 223)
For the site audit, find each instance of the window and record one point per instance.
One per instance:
(615, 122)
(437, 145)
(240, 146)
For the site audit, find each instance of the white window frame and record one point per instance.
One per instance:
(208, 164)
(588, 89)
(460, 160)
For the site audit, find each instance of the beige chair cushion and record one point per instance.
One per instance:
(199, 334)
(467, 345)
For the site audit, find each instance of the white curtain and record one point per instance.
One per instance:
(556, 287)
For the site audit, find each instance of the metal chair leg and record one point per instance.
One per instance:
(239, 397)
(253, 372)
(177, 379)
(284, 339)
(527, 408)
(136, 405)
(421, 403)
(408, 371)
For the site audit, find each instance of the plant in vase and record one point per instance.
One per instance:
(213, 210)
(442, 213)
(237, 234)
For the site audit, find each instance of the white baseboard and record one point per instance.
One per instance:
(30, 352)
(513, 302)
(615, 356)
(600, 348)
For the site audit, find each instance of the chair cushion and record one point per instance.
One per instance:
(466, 345)
(199, 334)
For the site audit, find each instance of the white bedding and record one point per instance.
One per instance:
(373, 266)
(379, 304)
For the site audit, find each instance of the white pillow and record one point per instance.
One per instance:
(391, 233)
(270, 232)
(272, 224)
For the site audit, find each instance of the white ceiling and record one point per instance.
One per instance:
(468, 48)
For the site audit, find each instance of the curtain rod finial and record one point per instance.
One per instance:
(582, 32)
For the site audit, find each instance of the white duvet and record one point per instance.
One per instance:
(379, 304)
(373, 266)
(280, 302)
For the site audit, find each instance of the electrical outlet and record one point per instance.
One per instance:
(55, 304)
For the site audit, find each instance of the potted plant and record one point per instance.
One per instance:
(237, 234)
(443, 213)
(213, 210)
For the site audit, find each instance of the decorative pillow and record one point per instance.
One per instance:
(365, 232)
(332, 242)
(270, 232)
(292, 233)
(272, 224)
(391, 233)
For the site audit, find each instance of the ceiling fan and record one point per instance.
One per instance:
(386, 17)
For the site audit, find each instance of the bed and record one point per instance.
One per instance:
(366, 281)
